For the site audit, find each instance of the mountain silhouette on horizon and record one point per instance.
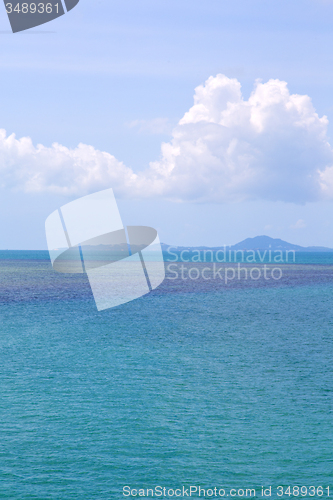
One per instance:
(260, 243)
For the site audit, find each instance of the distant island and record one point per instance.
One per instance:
(256, 243)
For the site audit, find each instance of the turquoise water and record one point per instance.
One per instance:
(194, 384)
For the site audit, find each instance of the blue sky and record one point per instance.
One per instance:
(119, 77)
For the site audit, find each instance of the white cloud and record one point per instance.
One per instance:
(154, 126)
(59, 169)
(225, 148)
(300, 224)
(273, 146)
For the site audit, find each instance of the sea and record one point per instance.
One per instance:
(207, 387)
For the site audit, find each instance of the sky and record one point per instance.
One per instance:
(212, 121)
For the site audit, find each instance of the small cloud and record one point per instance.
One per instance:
(154, 126)
(300, 224)
(268, 227)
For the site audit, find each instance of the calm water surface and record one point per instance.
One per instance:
(194, 384)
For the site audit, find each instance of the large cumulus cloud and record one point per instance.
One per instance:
(273, 146)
